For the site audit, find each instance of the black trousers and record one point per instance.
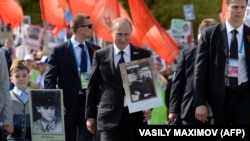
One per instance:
(237, 105)
(79, 131)
(126, 131)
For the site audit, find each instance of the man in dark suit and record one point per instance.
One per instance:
(181, 109)
(68, 69)
(113, 118)
(216, 68)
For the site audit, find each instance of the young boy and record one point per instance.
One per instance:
(19, 76)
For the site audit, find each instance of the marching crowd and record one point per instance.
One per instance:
(210, 85)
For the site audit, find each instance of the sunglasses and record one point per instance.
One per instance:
(89, 26)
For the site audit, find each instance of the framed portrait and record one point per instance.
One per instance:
(27, 19)
(189, 12)
(140, 84)
(34, 36)
(5, 31)
(52, 40)
(46, 114)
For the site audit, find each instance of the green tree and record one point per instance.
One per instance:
(32, 8)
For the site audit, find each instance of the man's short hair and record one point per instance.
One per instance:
(229, 1)
(77, 21)
(118, 20)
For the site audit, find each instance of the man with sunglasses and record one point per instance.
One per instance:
(68, 69)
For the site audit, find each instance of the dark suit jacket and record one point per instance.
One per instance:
(62, 72)
(104, 75)
(181, 96)
(211, 67)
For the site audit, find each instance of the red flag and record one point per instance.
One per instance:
(103, 14)
(82, 6)
(161, 43)
(57, 30)
(151, 32)
(11, 12)
(134, 37)
(63, 4)
(52, 13)
(223, 11)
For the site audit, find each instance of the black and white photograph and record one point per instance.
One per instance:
(27, 19)
(139, 81)
(141, 77)
(34, 36)
(5, 31)
(46, 113)
(52, 40)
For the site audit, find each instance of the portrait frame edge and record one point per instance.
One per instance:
(41, 135)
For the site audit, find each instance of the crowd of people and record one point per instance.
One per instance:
(198, 92)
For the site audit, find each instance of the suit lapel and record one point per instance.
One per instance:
(246, 36)
(89, 51)
(69, 49)
(110, 53)
(221, 33)
(220, 45)
(134, 53)
(111, 57)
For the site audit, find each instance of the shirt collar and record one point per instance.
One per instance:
(51, 125)
(126, 50)
(18, 91)
(75, 43)
(230, 28)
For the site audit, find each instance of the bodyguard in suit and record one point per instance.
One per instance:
(217, 66)
(68, 69)
(181, 109)
(114, 121)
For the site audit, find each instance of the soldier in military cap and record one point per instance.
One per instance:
(46, 106)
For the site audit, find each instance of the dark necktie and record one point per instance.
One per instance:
(83, 64)
(120, 61)
(233, 81)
